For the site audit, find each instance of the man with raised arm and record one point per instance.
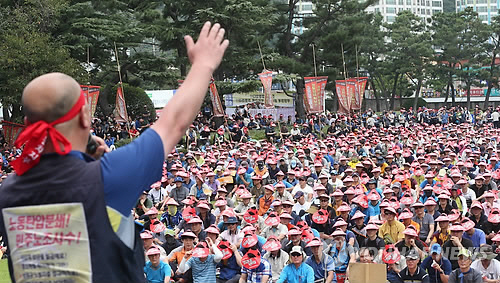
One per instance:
(67, 216)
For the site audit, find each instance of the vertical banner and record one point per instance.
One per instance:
(344, 103)
(266, 77)
(120, 107)
(214, 96)
(314, 94)
(351, 92)
(11, 131)
(91, 96)
(360, 91)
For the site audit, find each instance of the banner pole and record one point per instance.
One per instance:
(345, 73)
(314, 60)
(261, 56)
(357, 79)
(123, 91)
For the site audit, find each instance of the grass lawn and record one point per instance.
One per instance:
(4, 272)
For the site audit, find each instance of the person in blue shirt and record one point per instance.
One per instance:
(230, 268)
(429, 180)
(477, 236)
(322, 264)
(202, 263)
(117, 184)
(155, 270)
(297, 271)
(437, 266)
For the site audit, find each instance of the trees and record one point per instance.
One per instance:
(461, 41)
(27, 51)
(410, 50)
(78, 37)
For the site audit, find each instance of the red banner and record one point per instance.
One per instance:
(266, 77)
(314, 96)
(11, 131)
(91, 93)
(120, 107)
(351, 91)
(343, 98)
(360, 91)
(216, 103)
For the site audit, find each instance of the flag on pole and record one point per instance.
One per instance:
(343, 98)
(266, 77)
(10, 131)
(91, 94)
(359, 92)
(314, 94)
(120, 107)
(216, 103)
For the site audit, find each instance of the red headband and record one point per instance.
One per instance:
(34, 136)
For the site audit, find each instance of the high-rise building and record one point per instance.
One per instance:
(486, 9)
(389, 9)
(304, 9)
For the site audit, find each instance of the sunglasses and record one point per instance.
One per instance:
(389, 213)
(295, 255)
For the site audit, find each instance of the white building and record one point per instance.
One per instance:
(304, 9)
(486, 9)
(389, 9)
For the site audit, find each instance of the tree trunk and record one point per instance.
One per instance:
(299, 103)
(6, 114)
(400, 98)
(417, 94)
(487, 98)
(335, 101)
(490, 81)
(468, 95)
(453, 103)
(393, 94)
(447, 92)
(377, 99)
(288, 32)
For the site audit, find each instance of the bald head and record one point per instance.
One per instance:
(49, 97)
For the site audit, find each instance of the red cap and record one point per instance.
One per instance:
(225, 247)
(320, 216)
(249, 240)
(251, 259)
(272, 244)
(272, 220)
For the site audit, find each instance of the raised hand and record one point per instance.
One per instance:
(209, 48)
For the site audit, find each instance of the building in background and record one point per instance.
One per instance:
(304, 9)
(486, 9)
(389, 9)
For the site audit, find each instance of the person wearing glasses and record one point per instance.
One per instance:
(392, 230)
(297, 271)
(412, 272)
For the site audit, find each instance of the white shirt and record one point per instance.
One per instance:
(298, 207)
(307, 190)
(495, 116)
(157, 195)
(493, 270)
(234, 239)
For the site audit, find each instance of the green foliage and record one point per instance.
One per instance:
(229, 87)
(27, 52)
(78, 37)
(122, 142)
(135, 98)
